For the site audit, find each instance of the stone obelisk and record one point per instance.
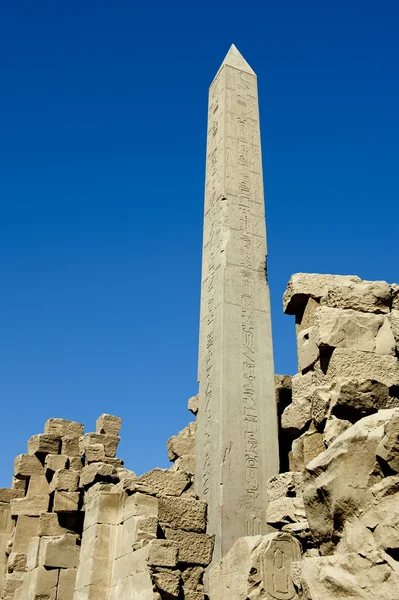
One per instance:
(237, 439)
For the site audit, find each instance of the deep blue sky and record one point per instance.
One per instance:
(102, 148)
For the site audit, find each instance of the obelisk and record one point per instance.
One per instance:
(237, 438)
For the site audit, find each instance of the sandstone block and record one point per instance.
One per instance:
(163, 553)
(96, 472)
(192, 404)
(7, 494)
(284, 484)
(12, 582)
(32, 560)
(19, 484)
(308, 350)
(63, 427)
(26, 465)
(65, 480)
(321, 401)
(103, 508)
(40, 584)
(66, 501)
(38, 486)
(110, 442)
(164, 482)
(385, 342)
(70, 445)
(285, 510)
(360, 366)
(108, 424)
(313, 445)
(49, 525)
(26, 528)
(94, 453)
(16, 562)
(388, 448)
(32, 506)
(44, 443)
(251, 565)
(333, 429)
(59, 552)
(192, 578)
(66, 584)
(339, 328)
(302, 286)
(297, 416)
(182, 513)
(183, 443)
(140, 505)
(54, 462)
(394, 323)
(75, 463)
(167, 582)
(185, 464)
(193, 548)
(296, 457)
(353, 400)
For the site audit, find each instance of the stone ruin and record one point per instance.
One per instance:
(284, 488)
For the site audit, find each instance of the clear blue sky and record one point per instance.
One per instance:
(103, 119)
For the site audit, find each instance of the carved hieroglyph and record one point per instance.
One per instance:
(237, 446)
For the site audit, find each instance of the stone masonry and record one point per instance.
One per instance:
(237, 442)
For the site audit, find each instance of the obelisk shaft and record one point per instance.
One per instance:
(237, 439)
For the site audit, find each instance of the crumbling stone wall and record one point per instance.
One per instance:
(335, 511)
(77, 525)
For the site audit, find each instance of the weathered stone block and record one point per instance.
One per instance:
(70, 445)
(16, 562)
(339, 328)
(75, 463)
(164, 482)
(97, 472)
(108, 424)
(49, 525)
(302, 286)
(103, 508)
(66, 584)
(66, 501)
(192, 404)
(162, 553)
(65, 480)
(333, 429)
(167, 581)
(360, 366)
(26, 465)
(182, 513)
(94, 453)
(59, 552)
(63, 427)
(284, 484)
(37, 486)
(110, 442)
(353, 400)
(40, 584)
(193, 548)
(7, 494)
(54, 462)
(26, 529)
(388, 448)
(32, 506)
(44, 443)
(183, 443)
(140, 505)
(285, 510)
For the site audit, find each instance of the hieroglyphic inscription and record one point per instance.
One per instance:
(276, 567)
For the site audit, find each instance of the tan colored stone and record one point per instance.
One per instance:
(7, 494)
(385, 342)
(394, 322)
(104, 508)
(183, 443)
(285, 510)
(110, 442)
(40, 584)
(26, 465)
(26, 529)
(353, 400)
(338, 328)
(163, 553)
(66, 501)
(59, 552)
(192, 404)
(302, 286)
(32, 561)
(388, 448)
(54, 462)
(94, 453)
(49, 525)
(296, 458)
(96, 472)
(44, 443)
(63, 427)
(33, 506)
(250, 567)
(70, 445)
(308, 350)
(66, 584)
(333, 429)
(108, 424)
(140, 505)
(192, 578)
(182, 513)
(16, 562)
(360, 366)
(167, 581)
(19, 484)
(12, 582)
(164, 482)
(313, 445)
(65, 480)
(284, 484)
(193, 548)
(38, 486)
(75, 463)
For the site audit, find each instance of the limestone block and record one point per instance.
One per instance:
(63, 427)
(38, 486)
(25, 529)
(32, 506)
(302, 286)
(182, 513)
(250, 567)
(163, 553)
(66, 584)
(308, 350)
(192, 404)
(59, 552)
(284, 484)
(16, 562)
(336, 481)
(103, 508)
(193, 548)
(96, 472)
(54, 462)
(12, 582)
(164, 482)
(339, 328)
(183, 443)
(360, 366)
(110, 442)
(7, 494)
(94, 453)
(108, 424)
(285, 510)
(333, 429)
(44, 443)
(26, 465)
(388, 448)
(70, 445)
(40, 584)
(66, 501)
(65, 480)
(352, 400)
(75, 463)
(344, 576)
(49, 525)
(167, 581)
